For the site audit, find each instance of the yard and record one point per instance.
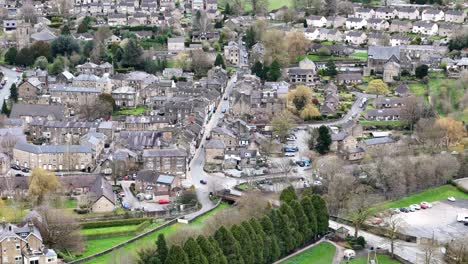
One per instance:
(381, 259)
(322, 253)
(272, 4)
(131, 111)
(146, 241)
(418, 89)
(429, 195)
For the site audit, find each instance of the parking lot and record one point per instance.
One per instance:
(440, 220)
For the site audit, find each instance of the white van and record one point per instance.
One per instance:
(462, 218)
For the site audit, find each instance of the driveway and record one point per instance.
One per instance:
(11, 75)
(134, 203)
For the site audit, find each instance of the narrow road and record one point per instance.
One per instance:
(411, 252)
(11, 77)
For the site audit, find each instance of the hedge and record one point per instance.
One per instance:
(118, 222)
(132, 231)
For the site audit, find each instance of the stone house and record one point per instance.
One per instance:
(27, 112)
(159, 186)
(342, 142)
(74, 95)
(389, 102)
(176, 44)
(169, 161)
(231, 52)
(96, 141)
(378, 38)
(356, 37)
(305, 73)
(96, 69)
(364, 13)
(349, 78)
(432, 15)
(200, 36)
(115, 20)
(101, 195)
(386, 114)
(425, 28)
(400, 26)
(386, 13)
(378, 56)
(455, 16)
(408, 13)
(214, 151)
(59, 132)
(229, 138)
(125, 96)
(91, 80)
(356, 23)
(336, 21)
(24, 244)
(377, 24)
(391, 71)
(316, 21)
(377, 143)
(402, 90)
(448, 30)
(53, 157)
(29, 90)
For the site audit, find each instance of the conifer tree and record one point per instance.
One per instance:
(194, 253)
(229, 245)
(309, 211)
(322, 214)
(176, 255)
(302, 221)
(257, 242)
(162, 247)
(244, 239)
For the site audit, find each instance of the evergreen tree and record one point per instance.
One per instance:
(283, 231)
(132, 52)
(241, 235)
(302, 221)
(257, 242)
(229, 245)
(14, 92)
(10, 56)
(286, 210)
(162, 247)
(221, 257)
(176, 255)
(250, 37)
(148, 256)
(330, 69)
(25, 57)
(274, 71)
(275, 250)
(227, 9)
(323, 141)
(194, 253)
(271, 241)
(5, 109)
(322, 214)
(288, 195)
(65, 30)
(309, 211)
(258, 70)
(208, 250)
(219, 61)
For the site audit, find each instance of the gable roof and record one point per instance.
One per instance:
(19, 110)
(102, 188)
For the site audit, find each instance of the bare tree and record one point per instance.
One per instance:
(201, 22)
(95, 109)
(28, 13)
(359, 206)
(64, 6)
(259, 6)
(414, 109)
(339, 191)
(7, 143)
(59, 231)
(457, 250)
(430, 248)
(200, 62)
(394, 225)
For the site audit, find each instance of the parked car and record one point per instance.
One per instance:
(15, 167)
(395, 211)
(162, 201)
(148, 197)
(425, 205)
(203, 181)
(223, 111)
(289, 154)
(404, 210)
(451, 199)
(25, 170)
(415, 206)
(300, 163)
(411, 209)
(225, 98)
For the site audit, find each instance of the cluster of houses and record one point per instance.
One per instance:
(369, 26)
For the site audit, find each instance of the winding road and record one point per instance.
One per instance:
(11, 77)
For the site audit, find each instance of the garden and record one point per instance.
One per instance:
(322, 253)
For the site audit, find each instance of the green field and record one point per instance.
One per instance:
(131, 111)
(322, 253)
(429, 195)
(396, 123)
(418, 89)
(148, 240)
(360, 55)
(272, 4)
(382, 259)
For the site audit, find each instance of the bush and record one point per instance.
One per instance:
(81, 210)
(361, 241)
(119, 222)
(131, 231)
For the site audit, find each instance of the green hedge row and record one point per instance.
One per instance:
(132, 231)
(118, 222)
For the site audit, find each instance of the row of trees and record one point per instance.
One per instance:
(257, 240)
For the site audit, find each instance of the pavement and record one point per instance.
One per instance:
(412, 252)
(5, 91)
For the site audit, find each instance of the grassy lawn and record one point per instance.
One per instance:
(131, 111)
(418, 89)
(70, 203)
(360, 55)
(322, 253)
(272, 4)
(382, 259)
(381, 123)
(150, 239)
(429, 195)
(315, 57)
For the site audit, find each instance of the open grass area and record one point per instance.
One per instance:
(272, 4)
(70, 204)
(131, 111)
(360, 55)
(148, 240)
(429, 195)
(418, 89)
(381, 123)
(381, 259)
(322, 253)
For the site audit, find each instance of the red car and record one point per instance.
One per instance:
(162, 201)
(424, 206)
(19, 70)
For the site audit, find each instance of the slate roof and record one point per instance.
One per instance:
(215, 144)
(173, 152)
(376, 141)
(102, 188)
(384, 112)
(383, 52)
(165, 179)
(19, 110)
(38, 149)
(75, 89)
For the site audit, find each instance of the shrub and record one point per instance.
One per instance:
(118, 222)
(361, 241)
